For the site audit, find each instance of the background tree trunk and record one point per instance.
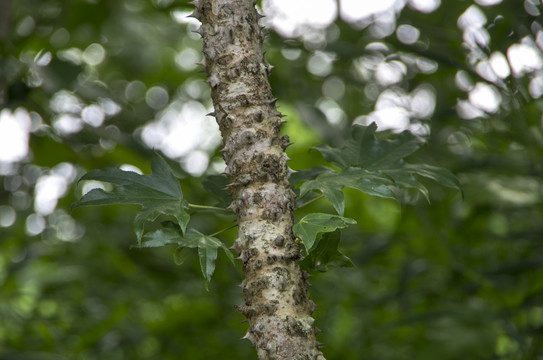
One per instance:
(5, 7)
(276, 302)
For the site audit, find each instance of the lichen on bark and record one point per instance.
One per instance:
(275, 288)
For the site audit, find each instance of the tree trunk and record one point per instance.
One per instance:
(276, 302)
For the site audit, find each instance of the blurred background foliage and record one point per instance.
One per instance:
(89, 84)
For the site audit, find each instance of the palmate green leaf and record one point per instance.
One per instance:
(305, 175)
(375, 167)
(331, 185)
(216, 185)
(158, 193)
(325, 254)
(301, 176)
(310, 226)
(207, 246)
(363, 150)
(406, 180)
(440, 175)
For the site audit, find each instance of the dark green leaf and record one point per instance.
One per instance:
(158, 193)
(304, 175)
(326, 254)
(216, 185)
(207, 246)
(179, 256)
(308, 228)
(331, 185)
(365, 151)
(405, 180)
(375, 167)
(440, 175)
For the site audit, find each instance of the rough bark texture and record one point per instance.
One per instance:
(276, 302)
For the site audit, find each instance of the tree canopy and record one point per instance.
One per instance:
(427, 272)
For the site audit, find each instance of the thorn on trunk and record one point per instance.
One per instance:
(247, 337)
(273, 101)
(195, 14)
(285, 142)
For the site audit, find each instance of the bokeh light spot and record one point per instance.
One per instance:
(26, 26)
(389, 73)
(93, 115)
(473, 17)
(407, 34)
(292, 18)
(7, 216)
(488, 2)
(320, 63)
(157, 97)
(485, 97)
(463, 81)
(94, 54)
(135, 91)
(423, 101)
(356, 10)
(523, 59)
(187, 58)
(60, 37)
(499, 64)
(425, 6)
(196, 163)
(333, 87)
(51, 187)
(66, 124)
(291, 54)
(14, 134)
(35, 224)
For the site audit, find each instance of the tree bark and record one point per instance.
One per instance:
(275, 289)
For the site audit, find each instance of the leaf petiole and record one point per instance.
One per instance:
(212, 208)
(223, 230)
(310, 201)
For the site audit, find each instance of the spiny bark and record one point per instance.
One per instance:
(275, 289)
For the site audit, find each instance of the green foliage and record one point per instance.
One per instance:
(310, 226)
(158, 193)
(207, 246)
(375, 167)
(216, 185)
(364, 150)
(451, 280)
(325, 254)
(320, 235)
